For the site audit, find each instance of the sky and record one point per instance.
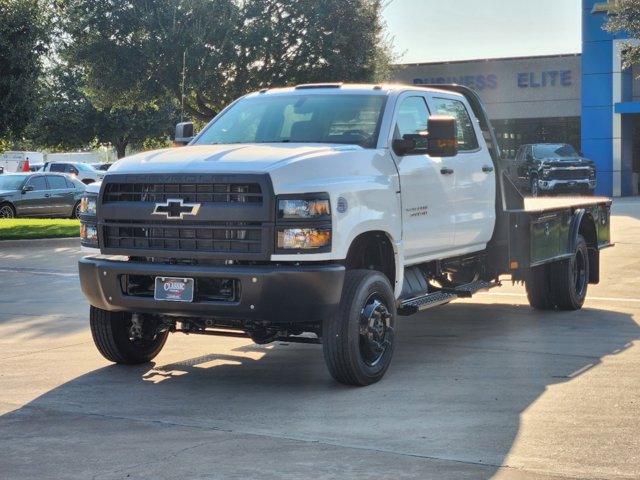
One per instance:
(425, 31)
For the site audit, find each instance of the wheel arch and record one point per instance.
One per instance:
(374, 250)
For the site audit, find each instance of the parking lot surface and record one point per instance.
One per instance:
(480, 388)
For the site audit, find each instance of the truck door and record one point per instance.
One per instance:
(427, 218)
(474, 177)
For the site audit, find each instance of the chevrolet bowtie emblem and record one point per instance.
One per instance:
(175, 208)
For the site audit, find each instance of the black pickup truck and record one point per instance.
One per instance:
(548, 168)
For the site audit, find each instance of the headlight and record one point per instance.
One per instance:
(303, 223)
(303, 208)
(89, 234)
(88, 205)
(304, 238)
(545, 174)
(592, 174)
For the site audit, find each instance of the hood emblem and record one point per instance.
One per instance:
(175, 208)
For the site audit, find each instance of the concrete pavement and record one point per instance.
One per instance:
(481, 388)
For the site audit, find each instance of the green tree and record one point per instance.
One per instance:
(626, 18)
(25, 30)
(70, 120)
(133, 50)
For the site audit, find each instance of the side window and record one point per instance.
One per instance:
(413, 116)
(38, 183)
(466, 134)
(57, 183)
(57, 167)
(69, 183)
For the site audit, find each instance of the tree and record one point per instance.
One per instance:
(25, 29)
(70, 120)
(626, 18)
(134, 51)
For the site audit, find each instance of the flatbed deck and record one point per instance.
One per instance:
(541, 204)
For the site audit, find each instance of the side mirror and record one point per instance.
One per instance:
(529, 157)
(74, 170)
(440, 141)
(27, 188)
(443, 138)
(184, 134)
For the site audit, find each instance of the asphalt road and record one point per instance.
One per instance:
(481, 388)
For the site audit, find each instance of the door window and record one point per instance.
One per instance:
(413, 116)
(38, 183)
(466, 134)
(57, 183)
(57, 167)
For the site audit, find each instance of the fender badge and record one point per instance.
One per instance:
(342, 206)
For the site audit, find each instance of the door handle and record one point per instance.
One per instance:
(487, 169)
(47, 195)
(446, 171)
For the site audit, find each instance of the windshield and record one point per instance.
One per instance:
(85, 167)
(11, 182)
(556, 150)
(349, 119)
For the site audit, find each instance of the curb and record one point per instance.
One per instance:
(41, 242)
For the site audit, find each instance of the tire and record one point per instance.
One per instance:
(570, 278)
(539, 290)
(110, 331)
(75, 213)
(358, 341)
(7, 211)
(535, 190)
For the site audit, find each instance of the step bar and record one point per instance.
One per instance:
(442, 296)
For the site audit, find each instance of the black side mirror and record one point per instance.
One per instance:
(27, 188)
(184, 133)
(74, 170)
(443, 137)
(440, 141)
(529, 157)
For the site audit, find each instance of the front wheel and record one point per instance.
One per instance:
(115, 336)
(7, 211)
(358, 341)
(535, 190)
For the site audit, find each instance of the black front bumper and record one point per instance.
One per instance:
(276, 294)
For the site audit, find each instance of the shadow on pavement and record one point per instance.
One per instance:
(452, 399)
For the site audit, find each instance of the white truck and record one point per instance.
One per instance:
(321, 213)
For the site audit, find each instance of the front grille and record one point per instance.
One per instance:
(577, 174)
(232, 216)
(189, 192)
(227, 237)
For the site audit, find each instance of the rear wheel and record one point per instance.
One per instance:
(358, 341)
(115, 336)
(75, 213)
(7, 211)
(570, 278)
(538, 287)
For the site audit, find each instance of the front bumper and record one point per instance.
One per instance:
(278, 294)
(567, 185)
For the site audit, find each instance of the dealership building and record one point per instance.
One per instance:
(585, 99)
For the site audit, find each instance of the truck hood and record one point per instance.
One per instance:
(566, 162)
(233, 158)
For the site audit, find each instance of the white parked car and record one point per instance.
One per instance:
(82, 171)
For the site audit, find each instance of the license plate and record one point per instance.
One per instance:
(174, 289)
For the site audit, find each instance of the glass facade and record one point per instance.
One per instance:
(513, 133)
